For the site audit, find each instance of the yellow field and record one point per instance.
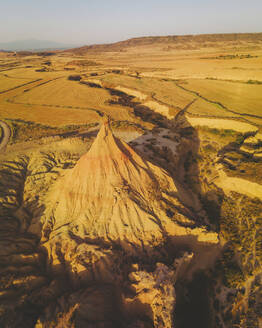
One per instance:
(191, 65)
(221, 124)
(47, 115)
(165, 91)
(55, 101)
(65, 93)
(167, 78)
(239, 97)
(178, 94)
(204, 108)
(7, 83)
(31, 74)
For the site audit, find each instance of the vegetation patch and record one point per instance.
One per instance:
(82, 63)
(28, 131)
(74, 77)
(237, 56)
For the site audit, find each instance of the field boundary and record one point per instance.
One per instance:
(216, 102)
(19, 86)
(99, 112)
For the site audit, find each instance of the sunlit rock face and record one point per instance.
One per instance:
(113, 195)
(100, 244)
(110, 221)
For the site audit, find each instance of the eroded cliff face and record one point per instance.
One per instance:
(112, 194)
(114, 210)
(115, 238)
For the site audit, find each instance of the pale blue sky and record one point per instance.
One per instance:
(101, 21)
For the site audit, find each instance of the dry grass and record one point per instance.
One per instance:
(7, 83)
(165, 91)
(188, 64)
(151, 73)
(170, 93)
(57, 102)
(31, 74)
(222, 124)
(65, 93)
(73, 94)
(47, 115)
(202, 107)
(239, 97)
(243, 186)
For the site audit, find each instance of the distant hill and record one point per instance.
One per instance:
(171, 40)
(32, 44)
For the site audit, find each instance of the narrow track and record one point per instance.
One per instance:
(6, 133)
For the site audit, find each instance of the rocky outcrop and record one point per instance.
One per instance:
(113, 194)
(155, 294)
(112, 209)
(107, 235)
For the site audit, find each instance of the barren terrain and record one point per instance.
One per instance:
(131, 184)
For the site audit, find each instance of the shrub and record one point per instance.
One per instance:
(41, 70)
(45, 54)
(254, 82)
(74, 77)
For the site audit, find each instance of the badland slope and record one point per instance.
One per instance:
(114, 237)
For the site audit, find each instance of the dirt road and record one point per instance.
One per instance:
(6, 133)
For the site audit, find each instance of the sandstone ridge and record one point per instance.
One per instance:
(112, 194)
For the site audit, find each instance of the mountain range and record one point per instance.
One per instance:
(33, 44)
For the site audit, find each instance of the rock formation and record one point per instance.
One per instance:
(115, 211)
(104, 246)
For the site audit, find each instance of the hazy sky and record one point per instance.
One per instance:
(100, 21)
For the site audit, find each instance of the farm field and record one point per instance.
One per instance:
(197, 65)
(162, 90)
(202, 76)
(7, 82)
(210, 79)
(38, 90)
(71, 94)
(243, 98)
